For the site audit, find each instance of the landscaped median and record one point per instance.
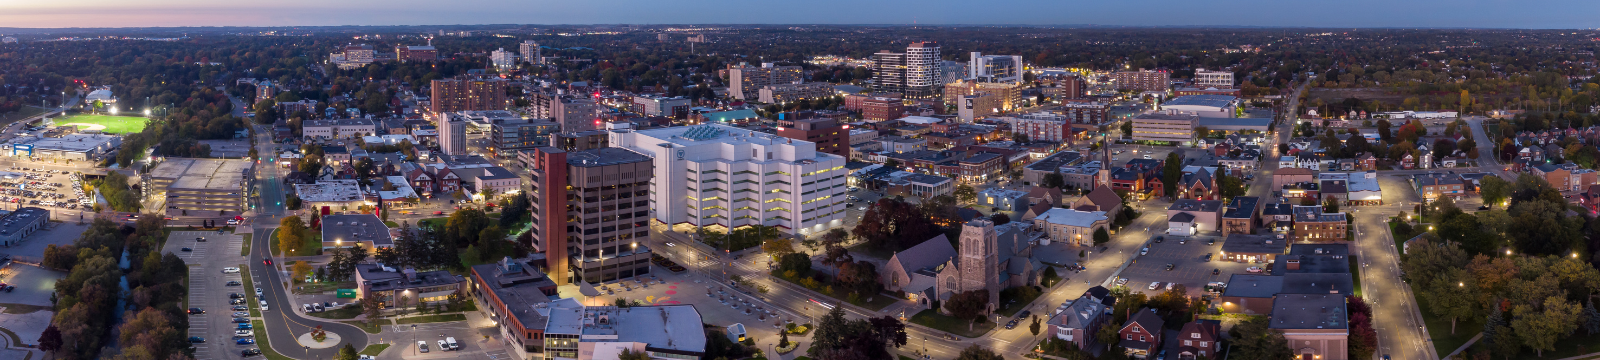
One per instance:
(373, 350)
(430, 319)
(261, 342)
(250, 293)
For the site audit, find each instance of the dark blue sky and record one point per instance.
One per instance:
(1558, 14)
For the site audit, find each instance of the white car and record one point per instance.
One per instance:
(1154, 285)
(1122, 281)
(1147, 157)
(422, 346)
(443, 346)
(1169, 285)
(1144, 251)
(1252, 269)
(230, 270)
(263, 305)
(244, 333)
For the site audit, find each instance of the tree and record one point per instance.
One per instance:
(1449, 296)
(1034, 326)
(1330, 205)
(831, 333)
(778, 247)
(370, 306)
(783, 340)
(299, 269)
(1107, 335)
(968, 305)
(1019, 137)
(1229, 186)
(1000, 219)
(628, 354)
(1171, 174)
(1127, 129)
(966, 194)
(1254, 339)
(1101, 237)
(1053, 180)
(976, 352)
(1494, 190)
(50, 339)
(1050, 276)
(892, 163)
(1540, 329)
(1591, 317)
(348, 352)
(289, 235)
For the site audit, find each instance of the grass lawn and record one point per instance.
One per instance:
(261, 342)
(347, 312)
(1439, 329)
(113, 124)
(877, 302)
(25, 112)
(249, 293)
(439, 221)
(932, 318)
(245, 250)
(373, 350)
(26, 309)
(1012, 307)
(376, 327)
(430, 319)
(311, 246)
(1355, 272)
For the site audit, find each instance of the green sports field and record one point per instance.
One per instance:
(112, 124)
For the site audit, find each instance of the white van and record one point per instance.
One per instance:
(453, 344)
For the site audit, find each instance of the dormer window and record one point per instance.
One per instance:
(1194, 335)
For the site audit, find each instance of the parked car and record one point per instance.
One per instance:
(230, 270)
(233, 283)
(250, 352)
(186, 249)
(1122, 281)
(240, 308)
(1024, 314)
(241, 320)
(235, 296)
(1144, 251)
(197, 340)
(1169, 266)
(443, 346)
(244, 341)
(1208, 257)
(1011, 324)
(1159, 239)
(196, 311)
(422, 346)
(244, 333)
(1154, 285)
(1252, 269)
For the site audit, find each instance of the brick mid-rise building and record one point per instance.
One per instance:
(830, 135)
(590, 211)
(465, 93)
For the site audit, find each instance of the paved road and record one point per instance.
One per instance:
(283, 324)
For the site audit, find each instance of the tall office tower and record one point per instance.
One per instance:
(576, 115)
(591, 210)
(995, 68)
(503, 59)
(468, 93)
(530, 52)
(452, 134)
(745, 81)
(737, 177)
(915, 73)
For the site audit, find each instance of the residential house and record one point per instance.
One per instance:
(1141, 336)
(1079, 322)
(1200, 338)
(1241, 216)
(1433, 185)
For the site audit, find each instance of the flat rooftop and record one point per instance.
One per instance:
(17, 220)
(329, 191)
(364, 227)
(1200, 100)
(672, 327)
(713, 133)
(520, 286)
(70, 142)
(1255, 244)
(202, 174)
(1309, 312)
(603, 157)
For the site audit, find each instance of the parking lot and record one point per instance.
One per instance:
(50, 189)
(1190, 267)
(209, 289)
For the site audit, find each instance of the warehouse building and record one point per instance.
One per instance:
(80, 147)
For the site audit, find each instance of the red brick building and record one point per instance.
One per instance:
(830, 135)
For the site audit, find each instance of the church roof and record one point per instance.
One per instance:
(1104, 197)
(928, 254)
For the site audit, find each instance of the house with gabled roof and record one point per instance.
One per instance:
(1079, 322)
(1141, 336)
(1199, 338)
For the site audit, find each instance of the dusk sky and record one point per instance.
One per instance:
(1563, 14)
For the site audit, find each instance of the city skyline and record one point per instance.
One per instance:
(1555, 14)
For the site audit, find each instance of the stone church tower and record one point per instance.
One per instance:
(980, 259)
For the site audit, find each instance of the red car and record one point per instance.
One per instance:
(268, 261)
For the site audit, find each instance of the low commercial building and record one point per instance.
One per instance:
(1311, 224)
(77, 147)
(1189, 217)
(364, 230)
(1253, 248)
(1003, 199)
(1315, 325)
(201, 186)
(388, 284)
(1216, 106)
(1072, 226)
(1177, 127)
(18, 224)
(338, 128)
(921, 186)
(339, 195)
(1241, 216)
(518, 298)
